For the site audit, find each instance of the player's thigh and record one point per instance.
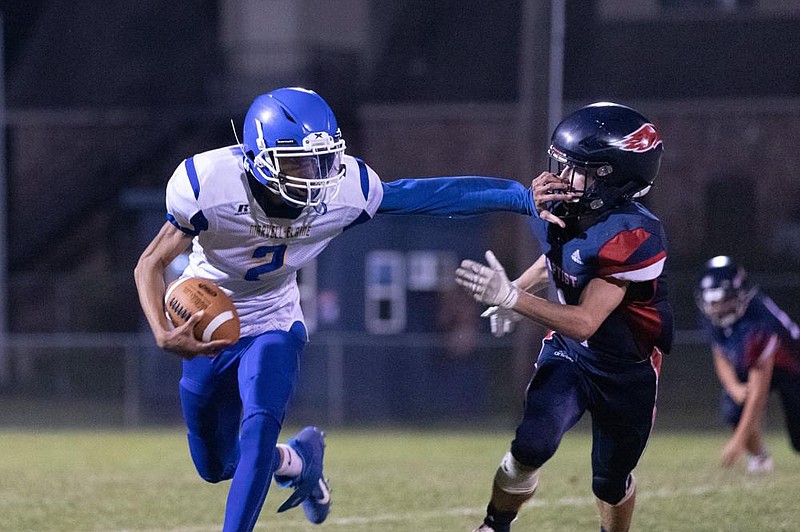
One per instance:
(554, 402)
(623, 411)
(209, 389)
(269, 368)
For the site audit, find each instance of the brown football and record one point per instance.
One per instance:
(186, 296)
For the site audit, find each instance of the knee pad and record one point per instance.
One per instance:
(515, 478)
(614, 492)
(535, 445)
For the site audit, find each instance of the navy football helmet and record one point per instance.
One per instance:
(293, 146)
(723, 291)
(618, 149)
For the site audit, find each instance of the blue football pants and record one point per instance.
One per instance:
(252, 381)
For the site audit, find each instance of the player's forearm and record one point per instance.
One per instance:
(455, 196)
(149, 277)
(752, 414)
(535, 278)
(757, 393)
(570, 320)
(726, 375)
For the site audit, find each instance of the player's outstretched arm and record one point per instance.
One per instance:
(149, 276)
(490, 285)
(455, 196)
(535, 278)
(727, 376)
(758, 382)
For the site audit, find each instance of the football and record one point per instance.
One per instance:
(186, 296)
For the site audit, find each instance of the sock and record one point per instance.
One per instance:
(499, 521)
(291, 464)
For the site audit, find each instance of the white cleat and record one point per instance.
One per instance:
(760, 465)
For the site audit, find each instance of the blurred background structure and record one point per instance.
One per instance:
(103, 100)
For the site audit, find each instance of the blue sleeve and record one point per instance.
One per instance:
(455, 196)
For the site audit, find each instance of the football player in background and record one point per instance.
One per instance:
(605, 254)
(255, 213)
(756, 348)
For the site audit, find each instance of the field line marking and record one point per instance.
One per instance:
(663, 493)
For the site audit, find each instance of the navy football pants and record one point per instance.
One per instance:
(620, 397)
(252, 381)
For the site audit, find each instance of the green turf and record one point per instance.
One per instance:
(382, 481)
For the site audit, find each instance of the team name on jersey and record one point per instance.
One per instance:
(561, 275)
(279, 231)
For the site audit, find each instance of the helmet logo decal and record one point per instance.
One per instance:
(643, 139)
(260, 138)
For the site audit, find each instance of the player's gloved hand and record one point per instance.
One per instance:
(487, 284)
(502, 321)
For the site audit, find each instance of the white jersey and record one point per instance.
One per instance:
(252, 257)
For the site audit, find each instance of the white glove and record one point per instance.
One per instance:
(501, 320)
(487, 284)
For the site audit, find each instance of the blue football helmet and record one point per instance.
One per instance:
(723, 291)
(293, 146)
(617, 148)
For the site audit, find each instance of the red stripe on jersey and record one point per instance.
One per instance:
(785, 358)
(754, 346)
(613, 254)
(646, 321)
(622, 246)
(655, 361)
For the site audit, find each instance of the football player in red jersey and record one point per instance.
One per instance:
(605, 254)
(756, 348)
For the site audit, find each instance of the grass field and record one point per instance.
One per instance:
(382, 481)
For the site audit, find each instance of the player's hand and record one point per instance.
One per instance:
(739, 393)
(501, 320)
(182, 342)
(731, 452)
(548, 188)
(487, 284)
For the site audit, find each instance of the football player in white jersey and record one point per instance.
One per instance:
(255, 213)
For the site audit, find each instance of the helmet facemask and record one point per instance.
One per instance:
(303, 176)
(584, 180)
(723, 299)
(723, 306)
(602, 190)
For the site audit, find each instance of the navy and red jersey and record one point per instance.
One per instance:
(626, 243)
(763, 331)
